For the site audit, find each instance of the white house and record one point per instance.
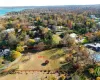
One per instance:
(93, 46)
(93, 16)
(73, 35)
(37, 39)
(98, 25)
(60, 27)
(4, 52)
(9, 30)
(31, 27)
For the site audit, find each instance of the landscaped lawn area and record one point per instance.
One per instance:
(37, 59)
(34, 63)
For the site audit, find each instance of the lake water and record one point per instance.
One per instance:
(3, 11)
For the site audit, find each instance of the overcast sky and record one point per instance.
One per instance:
(46, 2)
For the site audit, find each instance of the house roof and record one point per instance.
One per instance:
(9, 30)
(93, 44)
(88, 34)
(73, 35)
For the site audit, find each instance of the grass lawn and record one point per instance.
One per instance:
(53, 55)
(34, 63)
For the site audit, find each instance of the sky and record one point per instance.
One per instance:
(46, 2)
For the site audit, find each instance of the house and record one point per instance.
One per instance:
(34, 31)
(93, 46)
(9, 30)
(49, 28)
(73, 35)
(78, 39)
(59, 32)
(37, 39)
(31, 27)
(19, 30)
(4, 52)
(98, 25)
(58, 28)
(93, 16)
(55, 28)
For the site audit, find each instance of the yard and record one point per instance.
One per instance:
(34, 62)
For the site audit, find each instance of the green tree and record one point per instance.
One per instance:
(55, 39)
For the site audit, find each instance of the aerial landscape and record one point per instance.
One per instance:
(59, 42)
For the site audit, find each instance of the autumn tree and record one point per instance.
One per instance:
(12, 40)
(68, 41)
(15, 54)
(55, 39)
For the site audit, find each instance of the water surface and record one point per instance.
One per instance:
(4, 11)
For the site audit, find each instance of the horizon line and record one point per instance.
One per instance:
(51, 5)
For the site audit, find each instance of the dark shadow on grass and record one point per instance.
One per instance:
(44, 64)
(52, 50)
(57, 56)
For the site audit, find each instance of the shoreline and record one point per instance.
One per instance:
(4, 16)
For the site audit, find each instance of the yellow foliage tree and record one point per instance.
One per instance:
(55, 39)
(97, 34)
(21, 43)
(31, 40)
(18, 26)
(44, 30)
(37, 18)
(98, 78)
(19, 49)
(15, 55)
